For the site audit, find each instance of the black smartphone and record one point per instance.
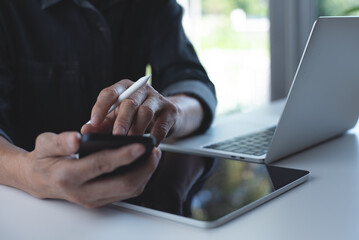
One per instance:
(91, 143)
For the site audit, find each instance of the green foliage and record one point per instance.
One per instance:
(251, 7)
(352, 11)
(336, 7)
(217, 7)
(226, 38)
(221, 35)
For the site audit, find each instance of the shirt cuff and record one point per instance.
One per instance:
(201, 92)
(4, 135)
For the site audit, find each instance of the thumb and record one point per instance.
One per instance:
(51, 144)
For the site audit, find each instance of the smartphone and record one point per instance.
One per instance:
(91, 143)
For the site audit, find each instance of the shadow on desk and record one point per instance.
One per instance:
(341, 150)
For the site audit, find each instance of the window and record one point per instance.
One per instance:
(250, 59)
(291, 23)
(231, 38)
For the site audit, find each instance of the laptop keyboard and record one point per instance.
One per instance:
(253, 144)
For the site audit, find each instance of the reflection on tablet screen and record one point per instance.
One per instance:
(208, 189)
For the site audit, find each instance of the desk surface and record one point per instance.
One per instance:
(325, 207)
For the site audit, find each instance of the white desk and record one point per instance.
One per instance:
(325, 207)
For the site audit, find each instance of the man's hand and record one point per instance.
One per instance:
(52, 171)
(145, 111)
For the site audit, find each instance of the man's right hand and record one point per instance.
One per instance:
(52, 171)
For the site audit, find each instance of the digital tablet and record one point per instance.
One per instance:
(207, 191)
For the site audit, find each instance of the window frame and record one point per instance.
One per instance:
(291, 23)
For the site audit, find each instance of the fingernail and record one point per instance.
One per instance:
(119, 131)
(94, 120)
(73, 137)
(73, 141)
(138, 150)
(78, 135)
(158, 154)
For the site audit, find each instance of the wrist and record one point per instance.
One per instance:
(191, 114)
(13, 166)
(176, 128)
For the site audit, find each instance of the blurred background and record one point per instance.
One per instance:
(251, 48)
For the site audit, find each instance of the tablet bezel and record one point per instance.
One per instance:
(225, 218)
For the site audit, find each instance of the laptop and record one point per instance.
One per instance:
(323, 103)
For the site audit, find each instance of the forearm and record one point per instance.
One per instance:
(191, 115)
(12, 165)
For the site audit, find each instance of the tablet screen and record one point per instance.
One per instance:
(207, 189)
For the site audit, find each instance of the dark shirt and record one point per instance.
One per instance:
(57, 55)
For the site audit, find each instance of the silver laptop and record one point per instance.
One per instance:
(323, 103)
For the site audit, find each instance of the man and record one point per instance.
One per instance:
(61, 60)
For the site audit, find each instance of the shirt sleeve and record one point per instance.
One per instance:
(6, 84)
(175, 66)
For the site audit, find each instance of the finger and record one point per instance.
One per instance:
(127, 111)
(161, 126)
(124, 186)
(51, 144)
(107, 161)
(144, 116)
(106, 98)
(104, 127)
